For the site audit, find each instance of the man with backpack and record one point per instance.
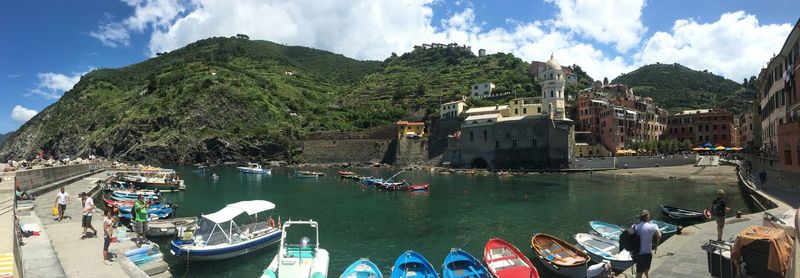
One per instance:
(718, 209)
(647, 232)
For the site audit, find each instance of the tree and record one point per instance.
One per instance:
(686, 145)
(605, 80)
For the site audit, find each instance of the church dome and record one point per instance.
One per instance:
(553, 63)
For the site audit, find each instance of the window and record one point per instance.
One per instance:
(787, 153)
(700, 138)
(690, 129)
(524, 110)
(724, 136)
(538, 109)
(516, 111)
(514, 143)
(534, 143)
(496, 143)
(551, 93)
(471, 137)
(715, 137)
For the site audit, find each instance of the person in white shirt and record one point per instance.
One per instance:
(62, 199)
(88, 206)
(647, 232)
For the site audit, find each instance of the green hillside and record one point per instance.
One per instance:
(676, 87)
(226, 99)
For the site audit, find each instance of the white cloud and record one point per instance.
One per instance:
(112, 34)
(617, 22)
(154, 14)
(52, 85)
(22, 114)
(735, 46)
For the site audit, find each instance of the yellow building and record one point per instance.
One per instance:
(526, 106)
(406, 129)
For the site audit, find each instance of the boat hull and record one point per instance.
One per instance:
(220, 253)
(362, 268)
(577, 270)
(602, 249)
(255, 171)
(682, 214)
(497, 253)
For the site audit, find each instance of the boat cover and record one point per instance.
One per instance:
(232, 210)
(780, 246)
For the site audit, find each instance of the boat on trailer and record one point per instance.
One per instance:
(505, 260)
(458, 264)
(254, 168)
(559, 256)
(682, 213)
(363, 268)
(218, 236)
(304, 259)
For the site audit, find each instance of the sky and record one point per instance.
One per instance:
(46, 46)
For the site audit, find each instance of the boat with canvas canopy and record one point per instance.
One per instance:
(219, 236)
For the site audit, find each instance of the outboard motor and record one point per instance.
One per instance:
(304, 242)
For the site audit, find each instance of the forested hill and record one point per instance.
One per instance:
(676, 87)
(233, 99)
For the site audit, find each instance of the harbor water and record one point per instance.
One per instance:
(459, 211)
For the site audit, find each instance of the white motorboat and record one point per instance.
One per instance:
(217, 236)
(303, 260)
(254, 168)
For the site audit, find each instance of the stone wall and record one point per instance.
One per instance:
(631, 161)
(412, 151)
(33, 180)
(349, 151)
(386, 132)
(438, 132)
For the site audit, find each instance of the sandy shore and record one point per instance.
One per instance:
(722, 173)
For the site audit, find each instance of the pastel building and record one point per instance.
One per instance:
(452, 109)
(703, 126)
(406, 129)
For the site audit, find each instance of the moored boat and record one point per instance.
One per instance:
(412, 264)
(419, 187)
(682, 213)
(505, 260)
(363, 268)
(667, 229)
(217, 236)
(306, 259)
(460, 264)
(254, 168)
(559, 256)
(308, 174)
(171, 227)
(606, 230)
(603, 249)
(392, 186)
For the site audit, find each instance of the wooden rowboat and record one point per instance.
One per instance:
(559, 256)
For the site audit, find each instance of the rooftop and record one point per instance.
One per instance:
(486, 109)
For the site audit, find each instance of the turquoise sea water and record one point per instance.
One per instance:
(458, 211)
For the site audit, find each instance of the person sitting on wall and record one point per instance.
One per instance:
(23, 195)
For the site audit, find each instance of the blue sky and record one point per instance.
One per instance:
(47, 45)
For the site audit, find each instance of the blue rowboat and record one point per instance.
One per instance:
(372, 181)
(153, 214)
(412, 264)
(667, 230)
(606, 230)
(459, 263)
(362, 268)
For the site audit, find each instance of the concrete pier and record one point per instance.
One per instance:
(683, 256)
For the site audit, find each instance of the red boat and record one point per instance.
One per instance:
(419, 187)
(117, 203)
(504, 260)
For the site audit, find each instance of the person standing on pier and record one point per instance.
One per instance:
(108, 224)
(719, 208)
(62, 199)
(646, 231)
(763, 177)
(140, 219)
(86, 221)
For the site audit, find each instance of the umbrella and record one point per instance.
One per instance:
(720, 148)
